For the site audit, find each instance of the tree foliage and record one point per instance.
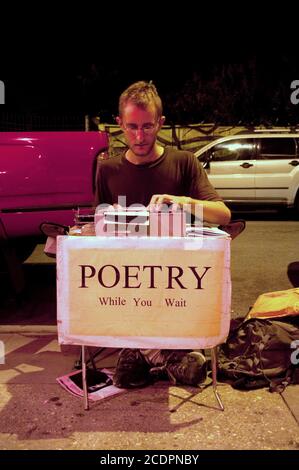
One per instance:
(250, 93)
(253, 91)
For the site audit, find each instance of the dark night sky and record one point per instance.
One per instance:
(42, 66)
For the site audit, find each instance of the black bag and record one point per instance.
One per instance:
(258, 353)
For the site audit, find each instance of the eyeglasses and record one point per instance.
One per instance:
(148, 128)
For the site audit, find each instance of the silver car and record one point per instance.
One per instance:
(255, 168)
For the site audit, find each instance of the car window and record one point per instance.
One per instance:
(239, 149)
(277, 148)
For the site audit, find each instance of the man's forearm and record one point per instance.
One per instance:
(215, 212)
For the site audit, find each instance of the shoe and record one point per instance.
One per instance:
(189, 369)
(132, 370)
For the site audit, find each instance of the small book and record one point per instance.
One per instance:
(99, 384)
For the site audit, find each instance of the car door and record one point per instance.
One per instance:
(231, 169)
(275, 168)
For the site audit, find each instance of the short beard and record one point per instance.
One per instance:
(143, 154)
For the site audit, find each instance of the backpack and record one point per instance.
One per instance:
(258, 353)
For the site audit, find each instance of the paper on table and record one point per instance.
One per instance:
(193, 231)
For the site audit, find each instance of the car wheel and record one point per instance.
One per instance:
(24, 247)
(296, 203)
(19, 249)
(12, 255)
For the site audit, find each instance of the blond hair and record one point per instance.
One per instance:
(142, 94)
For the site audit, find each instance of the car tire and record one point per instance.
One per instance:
(24, 247)
(296, 204)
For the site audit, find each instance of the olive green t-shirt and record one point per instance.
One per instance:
(176, 172)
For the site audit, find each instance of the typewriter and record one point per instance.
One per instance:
(140, 222)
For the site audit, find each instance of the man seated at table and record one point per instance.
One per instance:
(149, 174)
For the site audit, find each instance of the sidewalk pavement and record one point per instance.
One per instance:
(36, 413)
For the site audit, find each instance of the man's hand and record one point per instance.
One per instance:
(159, 202)
(215, 212)
(169, 199)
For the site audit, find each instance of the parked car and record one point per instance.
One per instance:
(260, 168)
(45, 176)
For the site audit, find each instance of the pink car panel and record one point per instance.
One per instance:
(44, 176)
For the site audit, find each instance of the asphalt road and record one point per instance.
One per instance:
(259, 262)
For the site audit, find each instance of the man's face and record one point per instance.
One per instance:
(140, 127)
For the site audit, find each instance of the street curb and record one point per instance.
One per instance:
(36, 329)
